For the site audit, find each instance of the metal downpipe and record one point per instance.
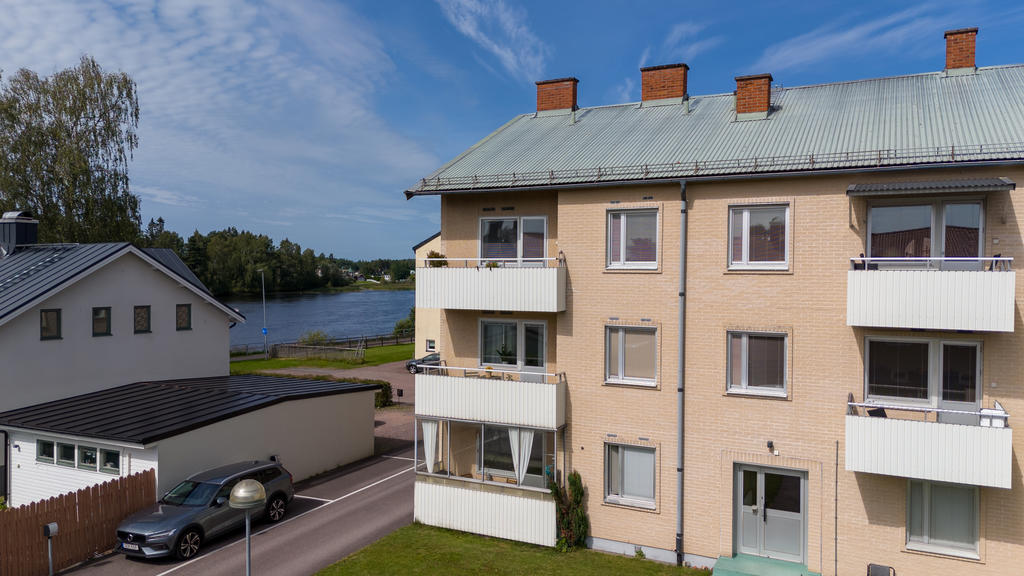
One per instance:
(680, 386)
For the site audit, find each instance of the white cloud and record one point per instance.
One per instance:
(623, 92)
(892, 32)
(168, 197)
(682, 31)
(501, 30)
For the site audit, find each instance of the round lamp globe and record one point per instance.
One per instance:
(247, 494)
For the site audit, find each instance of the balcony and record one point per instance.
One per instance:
(931, 293)
(510, 513)
(531, 399)
(534, 285)
(930, 449)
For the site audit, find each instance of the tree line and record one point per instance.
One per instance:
(65, 144)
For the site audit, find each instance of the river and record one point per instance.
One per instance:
(339, 314)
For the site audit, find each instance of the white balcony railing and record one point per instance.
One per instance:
(979, 455)
(508, 513)
(531, 399)
(931, 293)
(514, 285)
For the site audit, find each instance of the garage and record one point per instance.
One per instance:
(180, 427)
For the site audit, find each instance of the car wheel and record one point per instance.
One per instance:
(412, 369)
(276, 509)
(188, 544)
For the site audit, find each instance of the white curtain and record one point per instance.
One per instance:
(521, 442)
(430, 444)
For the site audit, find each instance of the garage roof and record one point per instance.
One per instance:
(145, 412)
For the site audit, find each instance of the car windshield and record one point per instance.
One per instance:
(190, 493)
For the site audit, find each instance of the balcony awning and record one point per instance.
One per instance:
(972, 185)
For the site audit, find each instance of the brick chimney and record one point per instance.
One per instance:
(960, 49)
(557, 94)
(753, 96)
(660, 82)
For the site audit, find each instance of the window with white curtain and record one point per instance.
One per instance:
(631, 354)
(757, 237)
(629, 475)
(942, 518)
(633, 239)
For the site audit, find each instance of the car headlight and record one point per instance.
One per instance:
(159, 535)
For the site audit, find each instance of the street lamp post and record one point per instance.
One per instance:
(248, 495)
(263, 291)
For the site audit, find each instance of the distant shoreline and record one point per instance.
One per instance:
(357, 287)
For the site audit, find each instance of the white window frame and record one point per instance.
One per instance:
(80, 465)
(431, 345)
(940, 548)
(622, 378)
(935, 346)
(66, 463)
(100, 460)
(520, 337)
(744, 386)
(621, 264)
(745, 263)
(938, 221)
(53, 448)
(519, 236)
(618, 499)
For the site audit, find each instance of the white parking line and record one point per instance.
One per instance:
(312, 498)
(397, 458)
(271, 527)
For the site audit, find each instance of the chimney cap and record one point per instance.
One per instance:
(558, 80)
(665, 67)
(17, 215)
(754, 77)
(949, 33)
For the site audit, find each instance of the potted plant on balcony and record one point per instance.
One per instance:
(507, 355)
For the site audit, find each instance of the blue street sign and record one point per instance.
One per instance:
(264, 331)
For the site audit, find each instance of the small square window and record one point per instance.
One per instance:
(142, 319)
(431, 346)
(633, 239)
(631, 355)
(757, 363)
(44, 451)
(65, 454)
(183, 317)
(629, 475)
(101, 321)
(757, 237)
(86, 458)
(110, 461)
(49, 324)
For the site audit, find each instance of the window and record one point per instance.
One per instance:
(268, 475)
(629, 475)
(757, 237)
(49, 324)
(633, 239)
(521, 238)
(86, 457)
(513, 343)
(631, 354)
(65, 454)
(431, 346)
(110, 461)
(939, 229)
(183, 317)
(898, 369)
(757, 363)
(44, 451)
(142, 320)
(942, 518)
(101, 321)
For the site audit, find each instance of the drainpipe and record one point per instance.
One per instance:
(682, 354)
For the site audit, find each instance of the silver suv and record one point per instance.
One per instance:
(197, 509)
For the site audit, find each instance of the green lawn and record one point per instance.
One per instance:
(373, 357)
(419, 549)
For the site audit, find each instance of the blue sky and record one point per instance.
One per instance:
(306, 119)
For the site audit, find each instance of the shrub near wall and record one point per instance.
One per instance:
(86, 521)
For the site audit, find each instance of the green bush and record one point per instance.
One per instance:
(3, 503)
(407, 324)
(383, 397)
(436, 263)
(314, 338)
(570, 513)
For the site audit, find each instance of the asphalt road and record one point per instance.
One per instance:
(330, 518)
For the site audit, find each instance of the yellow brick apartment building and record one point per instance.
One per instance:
(770, 327)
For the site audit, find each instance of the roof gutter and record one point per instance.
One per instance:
(409, 194)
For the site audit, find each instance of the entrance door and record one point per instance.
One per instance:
(533, 346)
(770, 513)
(960, 375)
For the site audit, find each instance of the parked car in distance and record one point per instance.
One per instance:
(197, 509)
(416, 365)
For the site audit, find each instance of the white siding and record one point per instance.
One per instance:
(32, 481)
(310, 436)
(511, 514)
(532, 404)
(38, 371)
(505, 289)
(974, 455)
(931, 299)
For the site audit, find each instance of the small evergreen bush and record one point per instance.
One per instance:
(571, 515)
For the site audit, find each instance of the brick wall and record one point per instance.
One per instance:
(960, 48)
(753, 93)
(556, 94)
(669, 81)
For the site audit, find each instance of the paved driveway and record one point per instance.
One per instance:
(393, 372)
(331, 517)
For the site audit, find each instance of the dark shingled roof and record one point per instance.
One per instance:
(432, 236)
(145, 412)
(168, 258)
